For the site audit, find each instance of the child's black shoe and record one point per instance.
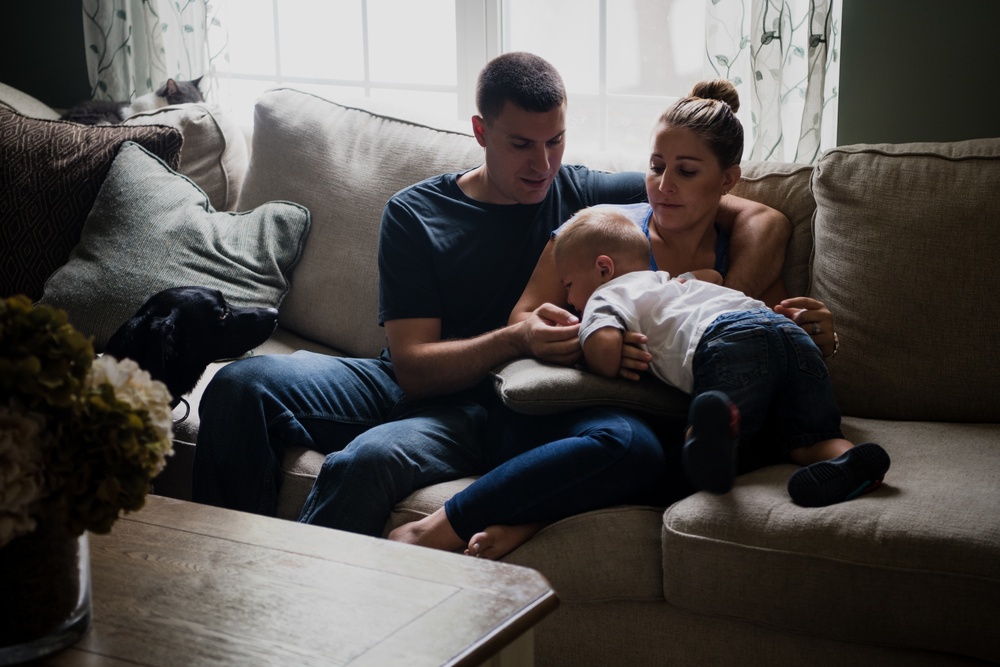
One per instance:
(710, 448)
(856, 471)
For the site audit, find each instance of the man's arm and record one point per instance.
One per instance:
(544, 286)
(758, 237)
(603, 351)
(427, 366)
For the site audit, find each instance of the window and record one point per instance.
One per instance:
(394, 49)
(623, 61)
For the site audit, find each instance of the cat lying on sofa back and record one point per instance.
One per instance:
(107, 112)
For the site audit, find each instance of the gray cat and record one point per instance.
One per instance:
(106, 112)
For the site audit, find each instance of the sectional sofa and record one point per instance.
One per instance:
(901, 241)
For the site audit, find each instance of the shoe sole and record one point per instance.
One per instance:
(709, 454)
(853, 473)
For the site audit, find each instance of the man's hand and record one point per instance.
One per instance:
(635, 360)
(552, 334)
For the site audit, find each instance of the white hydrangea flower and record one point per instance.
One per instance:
(20, 471)
(136, 387)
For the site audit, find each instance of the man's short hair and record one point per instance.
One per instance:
(523, 79)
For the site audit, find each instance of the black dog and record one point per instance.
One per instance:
(178, 332)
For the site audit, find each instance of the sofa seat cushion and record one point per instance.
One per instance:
(879, 569)
(906, 244)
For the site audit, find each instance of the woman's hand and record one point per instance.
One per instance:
(814, 317)
(635, 360)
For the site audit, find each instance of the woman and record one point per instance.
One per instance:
(694, 162)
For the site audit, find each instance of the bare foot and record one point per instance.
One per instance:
(497, 541)
(432, 531)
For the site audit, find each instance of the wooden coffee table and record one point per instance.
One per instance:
(185, 584)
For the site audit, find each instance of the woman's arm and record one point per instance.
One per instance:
(758, 235)
(603, 351)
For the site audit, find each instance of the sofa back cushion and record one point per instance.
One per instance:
(785, 187)
(342, 163)
(906, 244)
(215, 150)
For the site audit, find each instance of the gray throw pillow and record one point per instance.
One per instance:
(536, 388)
(151, 228)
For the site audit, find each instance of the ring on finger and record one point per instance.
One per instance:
(816, 329)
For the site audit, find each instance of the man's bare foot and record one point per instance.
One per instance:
(432, 531)
(497, 541)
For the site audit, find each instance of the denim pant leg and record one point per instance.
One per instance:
(806, 407)
(767, 365)
(550, 467)
(254, 408)
(423, 443)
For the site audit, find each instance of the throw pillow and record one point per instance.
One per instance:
(51, 172)
(152, 228)
(536, 388)
(215, 150)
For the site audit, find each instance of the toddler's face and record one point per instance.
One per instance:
(580, 280)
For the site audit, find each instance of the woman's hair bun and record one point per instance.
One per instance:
(718, 89)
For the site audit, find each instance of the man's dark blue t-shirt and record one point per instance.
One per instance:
(444, 255)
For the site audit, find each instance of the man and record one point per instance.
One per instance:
(455, 252)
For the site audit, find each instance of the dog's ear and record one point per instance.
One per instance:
(162, 345)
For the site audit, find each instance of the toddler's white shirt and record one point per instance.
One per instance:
(671, 314)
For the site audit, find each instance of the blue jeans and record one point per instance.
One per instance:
(545, 468)
(379, 446)
(773, 372)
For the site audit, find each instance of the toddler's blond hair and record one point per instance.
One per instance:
(602, 231)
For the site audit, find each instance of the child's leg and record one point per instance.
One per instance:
(856, 470)
(710, 445)
(824, 450)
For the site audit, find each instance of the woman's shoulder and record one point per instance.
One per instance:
(636, 212)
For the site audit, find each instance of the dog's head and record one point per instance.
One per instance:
(176, 333)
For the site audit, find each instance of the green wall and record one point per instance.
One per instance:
(46, 63)
(918, 70)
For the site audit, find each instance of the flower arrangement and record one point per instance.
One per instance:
(80, 438)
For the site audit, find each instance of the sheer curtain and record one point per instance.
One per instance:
(134, 46)
(783, 57)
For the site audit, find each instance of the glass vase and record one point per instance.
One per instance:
(45, 593)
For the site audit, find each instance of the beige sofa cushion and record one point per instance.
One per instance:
(533, 387)
(785, 187)
(906, 241)
(342, 163)
(888, 568)
(23, 103)
(215, 151)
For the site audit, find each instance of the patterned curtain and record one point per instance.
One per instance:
(782, 55)
(134, 46)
